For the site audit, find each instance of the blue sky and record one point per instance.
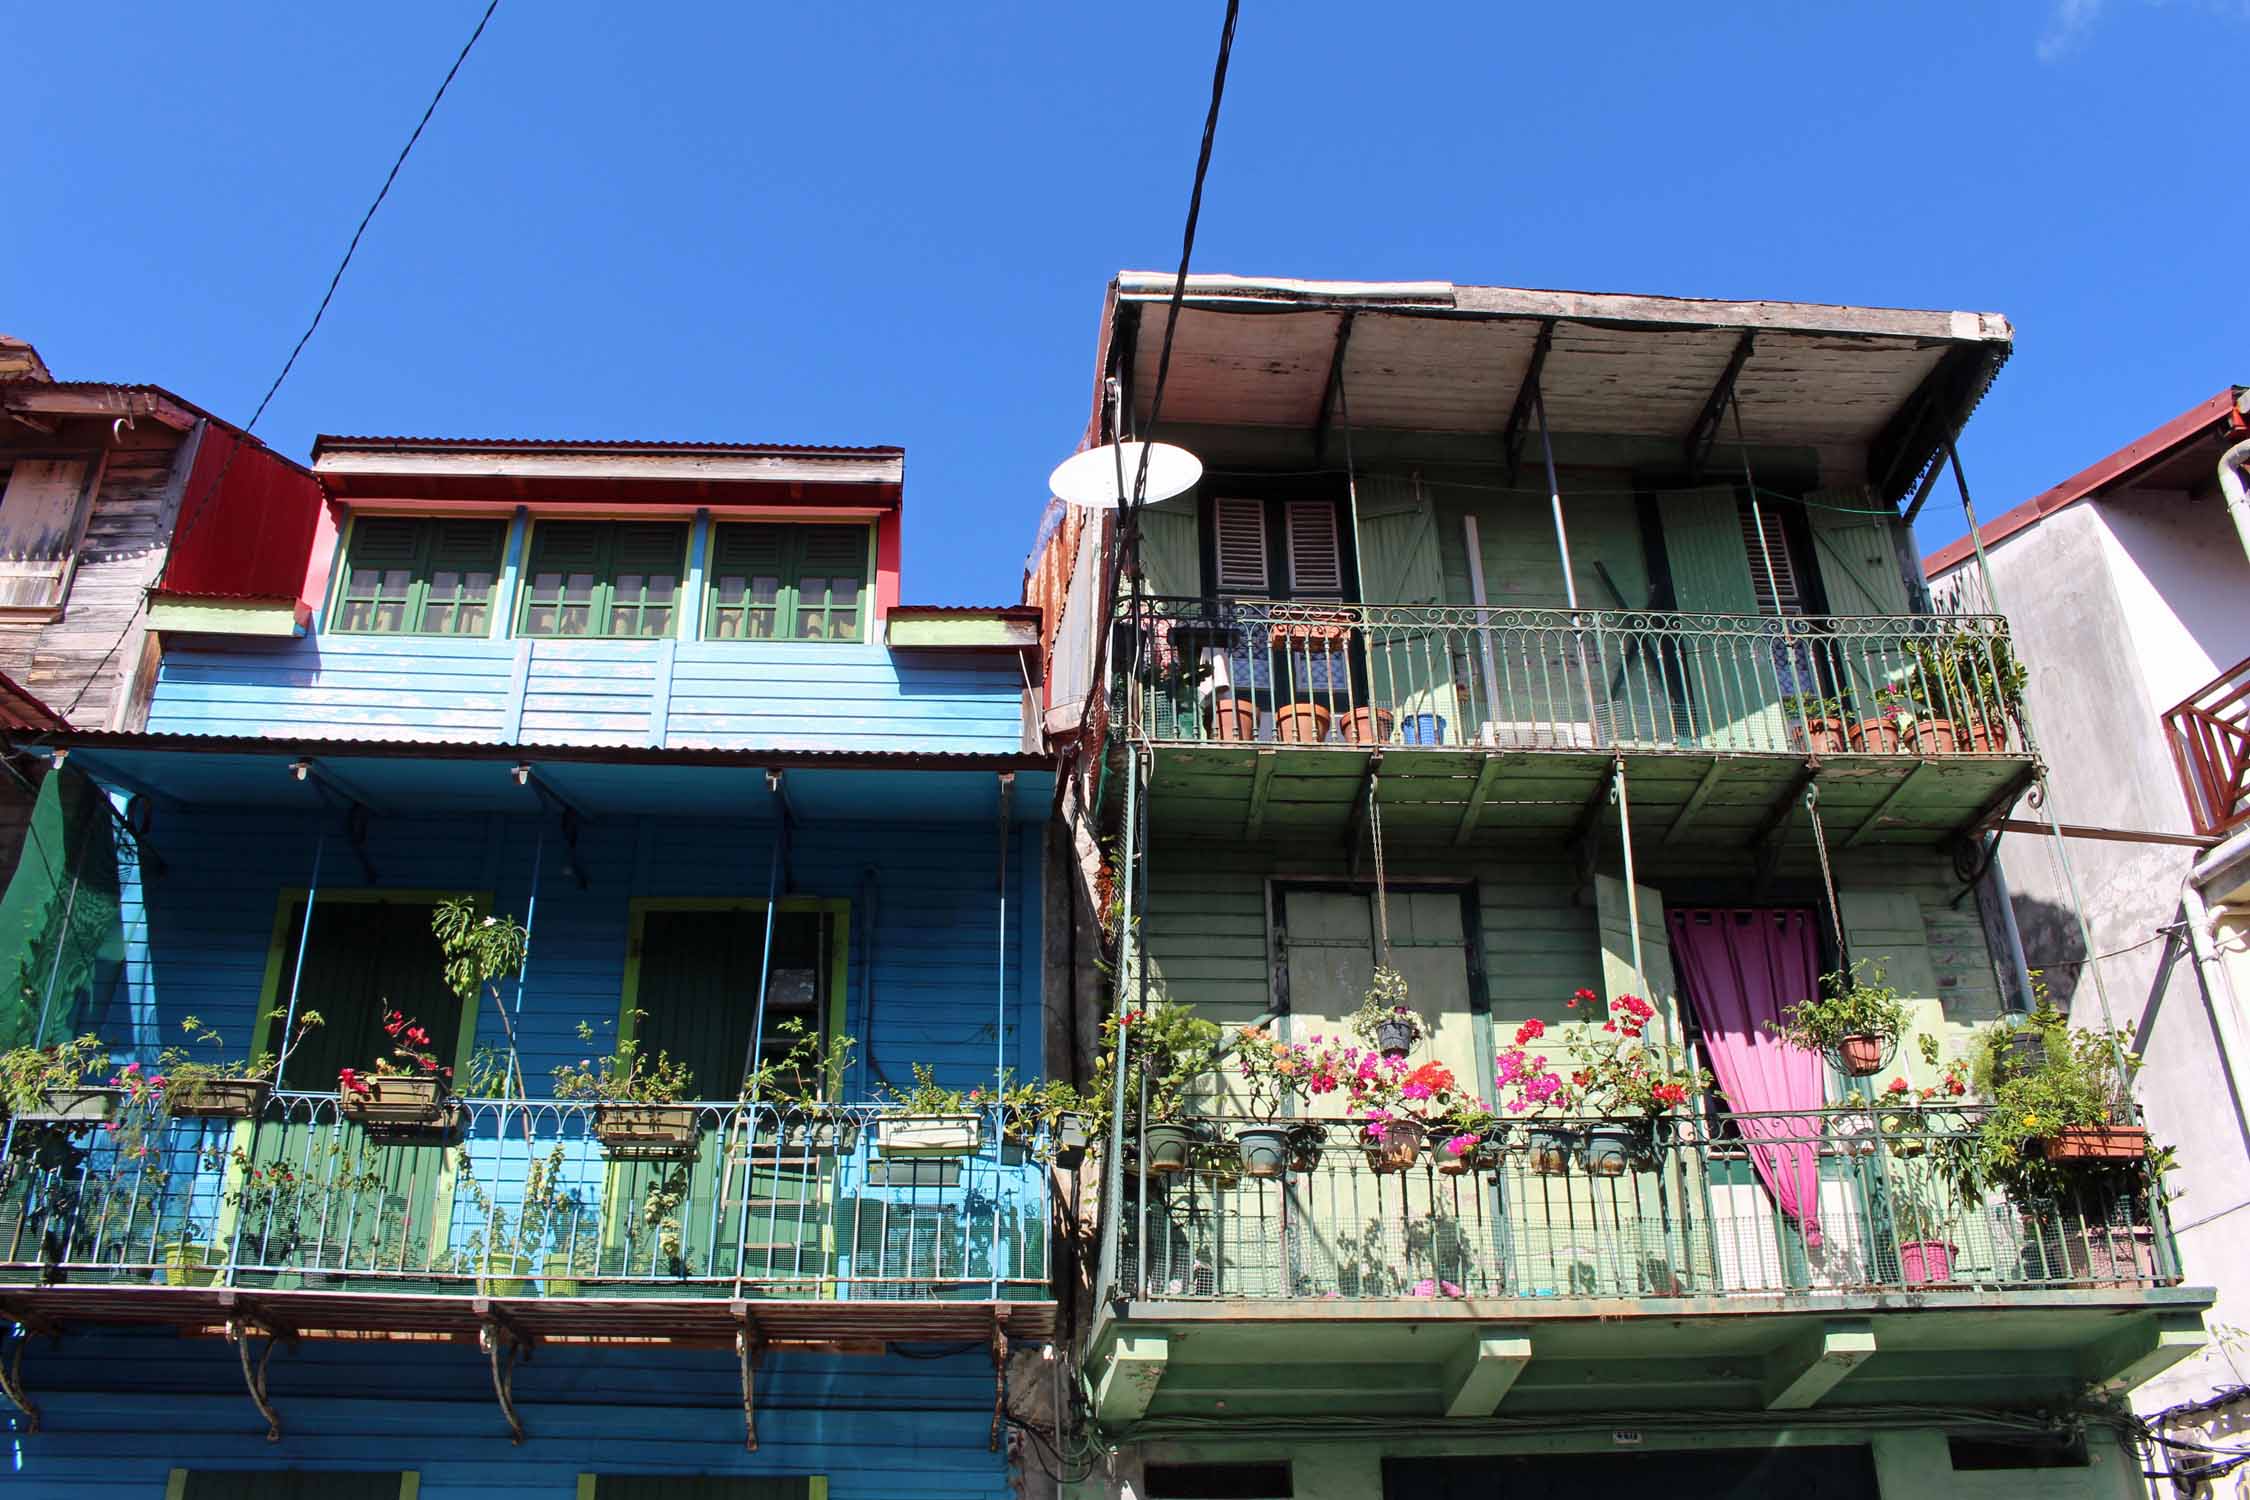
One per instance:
(870, 223)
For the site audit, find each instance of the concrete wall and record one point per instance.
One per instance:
(2120, 607)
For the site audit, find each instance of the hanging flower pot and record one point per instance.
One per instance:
(218, 1098)
(1265, 1150)
(1301, 723)
(1481, 1157)
(628, 1130)
(187, 1265)
(1921, 1262)
(1861, 1055)
(1167, 1147)
(1397, 1148)
(394, 1101)
(1551, 1150)
(72, 1107)
(1367, 726)
(1395, 1035)
(928, 1135)
(2097, 1143)
(1234, 718)
(1305, 1145)
(1612, 1150)
(1070, 1140)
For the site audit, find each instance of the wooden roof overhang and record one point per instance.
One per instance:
(1436, 357)
(1699, 801)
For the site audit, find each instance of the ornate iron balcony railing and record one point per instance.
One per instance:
(1250, 670)
(546, 1198)
(1564, 1211)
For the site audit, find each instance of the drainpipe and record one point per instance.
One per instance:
(2218, 991)
(2231, 464)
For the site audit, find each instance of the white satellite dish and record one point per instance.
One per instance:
(1091, 478)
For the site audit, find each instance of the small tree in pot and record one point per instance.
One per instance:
(1272, 1074)
(1169, 1051)
(1855, 1020)
(636, 1099)
(1384, 1021)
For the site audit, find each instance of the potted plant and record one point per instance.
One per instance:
(1856, 1020)
(931, 1120)
(1384, 1021)
(2056, 1119)
(1234, 717)
(1367, 726)
(1633, 1082)
(1047, 1119)
(1922, 1228)
(1528, 1084)
(1302, 723)
(49, 1084)
(637, 1108)
(1465, 1137)
(1968, 689)
(407, 1090)
(1398, 1107)
(1312, 626)
(1887, 717)
(1269, 1071)
(1818, 722)
(1169, 1052)
(188, 1258)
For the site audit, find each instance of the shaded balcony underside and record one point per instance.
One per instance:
(681, 1320)
(1468, 797)
(1505, 1357)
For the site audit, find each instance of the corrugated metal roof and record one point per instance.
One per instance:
(622, 753)
(623, 445)
(964, 609)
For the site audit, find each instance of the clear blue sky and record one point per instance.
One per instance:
(868, 223)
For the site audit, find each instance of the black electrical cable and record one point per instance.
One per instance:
(194, 513)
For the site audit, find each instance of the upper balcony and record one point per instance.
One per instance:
(2210, 739)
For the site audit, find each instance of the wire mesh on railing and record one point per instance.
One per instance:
(541, 1198)
(1253, 670)
(1837, 1201)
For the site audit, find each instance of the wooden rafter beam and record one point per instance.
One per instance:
(1261, 787)
(1487, 774)
(1582, 832)
(1773, 830)
(1333, 388)
(1362, 806)
(1874, 819)
(1807, 1368)
(1694, 804)
(1706, 428)
(1527, 395)
(1477, 1379)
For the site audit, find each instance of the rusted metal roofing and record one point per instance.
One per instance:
(21, 709)
(1017, 611)
(2195, 436)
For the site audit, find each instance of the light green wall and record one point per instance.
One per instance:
(1516, 533)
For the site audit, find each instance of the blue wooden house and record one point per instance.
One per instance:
(661, 705)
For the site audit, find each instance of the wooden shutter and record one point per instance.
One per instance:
(1790, 600)
(646, 547)
(386, 541)
(1241, 546)
(1614, 917)
(1858, 558)
(467, 545)
(39, 530)
(1172, 553)
(834, 552)
(754, 548)
(1703, 543)
(1398, 560)
(564, 546)
(1316, 556)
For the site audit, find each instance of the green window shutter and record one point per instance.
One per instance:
(644, 577)
(773, 581)
(831, 573)
(1858, 557)
(1614, 917)
(382, 575)
(457, 586)
(1171, 552)
(387, 541)
(1703, 543)
(748, 569)
(642, 547)
(563, 581)
(566, 544)
(1398, 559)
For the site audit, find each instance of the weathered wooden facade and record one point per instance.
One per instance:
(660, 704)
(1515, 639)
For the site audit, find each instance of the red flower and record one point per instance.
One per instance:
(1586, 995)
(350, 1082)
(429, 1064)
(1530, 1031)
(1897, 1086)
(1956, 1087)
(417, 1036)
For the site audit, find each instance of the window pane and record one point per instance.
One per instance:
(765, 591)
(761, 625)
(474, 619)
(809, 624)
(731, 587)
(438, 618)
(629, 587)
(390, 615)
(661, 587)
(573, 619)
(656, 620)
(580, 589)
(353, 616)
(726, 625)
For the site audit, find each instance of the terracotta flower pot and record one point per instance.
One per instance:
(1367, 726)
(1875, 737)
(1826, 736)
(1936, 737)
(1400, 1147)
(1551, 1151)
(1301, 723)
(1921, 1262)
(1234, 718)
(1861, 1056)
(2097, 1143)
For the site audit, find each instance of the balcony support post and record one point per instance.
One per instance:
(11, 1382)
(746, 1356)
(1805, 1369)
(503, 1344)
(2122, 1360)
(999, 1380)
(1261, 786)
(1478, 1378)
(1773, 834)
(1128, 1385)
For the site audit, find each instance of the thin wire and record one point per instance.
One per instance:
(195, 512)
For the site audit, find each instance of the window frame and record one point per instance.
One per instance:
(602, 601)
(1281, 587)
(418, 598)
(787, 604)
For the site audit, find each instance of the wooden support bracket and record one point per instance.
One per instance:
(1478, 1378)
(503, 1343)
(1135, 1368)
(11, 1382)
(1519, 414)
(1333, 387)
(1694, 804)
(1773, 831)
(1874, 819)
(746, 1355)
(1807, 1368)
(241, 1328)
(1582, 842)
(1369, 785)
(999, 1380)
(1487, 774)
(1261, 784)
(1706, 428)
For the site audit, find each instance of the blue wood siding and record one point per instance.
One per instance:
(677, 694)
(876, 1427)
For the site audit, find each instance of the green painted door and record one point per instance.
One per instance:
(1729, 670)
(768, 1199)
(288, 1484)
(323, 1192)
(1329, 941)
(1414, 665)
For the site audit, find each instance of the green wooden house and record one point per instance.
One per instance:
(1528, 643)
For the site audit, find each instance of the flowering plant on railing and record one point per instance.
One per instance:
(625, 1076)
(1169, 1049)
(1384, 1021)
(1620, 1071)
(411, 1056)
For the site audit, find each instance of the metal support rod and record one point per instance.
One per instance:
(1000, 1031)
(1113, 1169)
(1554, 499)
(11, 1383)
(750, 1061)
(1633, 896)
(297, 970)
(746, 1355)
(54, 968)
(254, 1376)
(1757, 515)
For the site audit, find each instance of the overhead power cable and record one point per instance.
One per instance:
(194, 512)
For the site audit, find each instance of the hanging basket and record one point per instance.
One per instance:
(219, 1099)
(1862, 1056)
(1399, 1148)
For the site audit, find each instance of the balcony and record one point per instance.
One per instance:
(1663, 1276)
(1260, 709)
(796, 1221)
(2210, 739)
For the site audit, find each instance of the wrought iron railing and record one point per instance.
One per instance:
(2210, 739)
(1583, 1209)
(546, 1198)
(1241, 669)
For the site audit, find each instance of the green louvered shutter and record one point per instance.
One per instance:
(380, 570)
(646, 559)
(1172, 551)
(1858, 558)
(1729, 673)
(464, 560)
(831, 575)
(561, 581)
(1413, 666)
(745, 574)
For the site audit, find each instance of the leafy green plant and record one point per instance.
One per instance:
(929, 1097)
(479, 951)
(549, 1215)
(1169, 1048)
(1385, 1002)
(809, 1070)
(1812, 707)
(1857, 1003)
(624, 1075)
(29, 1074)
(2080, 1078)
(1031, 1112)
(1967, 677)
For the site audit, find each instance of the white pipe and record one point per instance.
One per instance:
(2218, 994)
(1484, 625)
(2231, 464)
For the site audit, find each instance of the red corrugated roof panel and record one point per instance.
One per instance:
(247, 523)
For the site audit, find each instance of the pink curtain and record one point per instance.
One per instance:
(1739, 966)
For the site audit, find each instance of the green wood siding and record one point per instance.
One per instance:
(1172, 550)
(698, 990)
(1516, 534)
